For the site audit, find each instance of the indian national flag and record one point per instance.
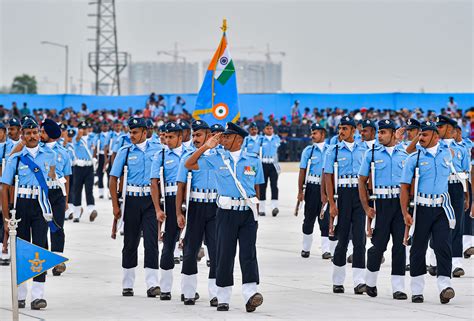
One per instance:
(222, 63)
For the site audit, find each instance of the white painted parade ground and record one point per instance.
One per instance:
(292, 287)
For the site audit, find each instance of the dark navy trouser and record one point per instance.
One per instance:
(269, 173)
(457, 201)
(312, 209)
(171, 235)
(58, 204)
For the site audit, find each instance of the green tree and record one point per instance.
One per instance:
(24, 84)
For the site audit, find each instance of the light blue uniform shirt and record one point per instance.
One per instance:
(104, 139)
(201, 179)
(460, 158)
(63, 160)
(333, 140)
(249, 172)
(72, 153)
(139, 164)
(349, 161)
(269, 146)
(44, 159)
(122, 140)
(84, 147)
(388, 168)
(251, 145)
(171, 166)
(317, 158)
(434, 170)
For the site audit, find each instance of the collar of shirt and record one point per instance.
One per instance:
(254, 137)
(348, 145)
(51, 144)
(15, 141)
(33, 151)
(141, 146)
(432, 150)
(320, 145)
(178, 150)
(448, 141)
(269, 137)
(370, 143)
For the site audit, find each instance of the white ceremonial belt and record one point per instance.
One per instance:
(27, 192)
(53, 184)
(202, 196)
(171, 190)
(387, 192)
(138, 189)
(232, 203)
(83, 163)
(436, 201)
(313, 179)
(457, 177)
(268, 160)
(348, 182)
(101, 152)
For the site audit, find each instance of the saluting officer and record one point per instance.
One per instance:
(216, 129)
(313, 196)
(139, 213)
(251, 141)
(238, 177)
(434, 214)
(388, 158)
(457, 186)
(267, 147)
(169, 158)
(33, 165)
(348, 209)
(200, 221)
(83, 171)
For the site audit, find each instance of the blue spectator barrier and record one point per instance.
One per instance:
(251, 104)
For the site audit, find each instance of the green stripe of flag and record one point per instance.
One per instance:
(226, 73)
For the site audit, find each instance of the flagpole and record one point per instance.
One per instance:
(224, 29)
(12, 226)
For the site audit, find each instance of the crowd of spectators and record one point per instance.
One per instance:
(294, 130)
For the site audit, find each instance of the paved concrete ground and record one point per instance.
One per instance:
(293, 288)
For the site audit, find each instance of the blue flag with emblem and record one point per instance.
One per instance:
(32, 260)
(218, 101)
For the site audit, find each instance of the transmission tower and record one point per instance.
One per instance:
(106, 61)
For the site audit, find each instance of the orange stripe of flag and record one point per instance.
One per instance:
(220, 50)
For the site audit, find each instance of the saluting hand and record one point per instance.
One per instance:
(213, 141)
(399, 133)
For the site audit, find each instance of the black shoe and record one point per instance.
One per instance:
(196, 297)
(470, 251)
(177, 260)
(165, 296)
(101, 197)
(446, 295)
(400, 295)
(467, 255)
(417, 298)
(208, 263)
(432, 270)
(213, 302)
(4, 262)
(127, 292)
(153, 292)
(349, 259)
(326, 256)
(181, 258)
(338, 289)
(70, 216)
(371, 291)
(305, 254)
(76, 220)
(21, 304)
(255, 301)
(407, 267)
(259, 214)
(38, 304)
(222, 307)
(200, 254)
(93, 216)
(360, 289)
(58, 269)
(458, 272)
(383, 260)
(189, 302)
(275, 212)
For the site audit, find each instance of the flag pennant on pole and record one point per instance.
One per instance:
(32, 260)
(218, 100)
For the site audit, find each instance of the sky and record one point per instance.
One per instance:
(331, 46)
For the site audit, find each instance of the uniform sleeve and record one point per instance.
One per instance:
(278, 141)
(329, 161)
(365, 164)
(182, 170)
(54, 156)
(9, 171)
(116, 145)
(156, 164)
(259, 179)
(409, 169)
(466, 161)
(304, 158)
(207, 162)
(67, 164)
(119, 163)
